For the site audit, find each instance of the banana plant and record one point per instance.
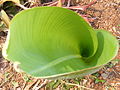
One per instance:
(56, 43)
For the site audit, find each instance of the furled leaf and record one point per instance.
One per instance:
(53, 42)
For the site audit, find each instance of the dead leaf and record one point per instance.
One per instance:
(5, 18)
(15, 1)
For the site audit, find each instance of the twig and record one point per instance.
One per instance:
(53, 4)
(36, 85)
(83, 8)
(23, 7)
(75, 8)
(59, 3)
(68, 4)
(7, 80)
(28, 86)
(115, 72)
(79, 86)
(5, 64)
(43, 84)
(49, 3)
(91, 3)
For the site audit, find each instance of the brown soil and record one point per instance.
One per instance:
(107, 14)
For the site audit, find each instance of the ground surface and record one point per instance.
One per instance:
(107, 14)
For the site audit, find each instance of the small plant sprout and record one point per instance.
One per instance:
(56, 43)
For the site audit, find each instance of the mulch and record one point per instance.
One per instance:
(106, 15)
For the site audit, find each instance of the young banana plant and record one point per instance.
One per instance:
(55, 43)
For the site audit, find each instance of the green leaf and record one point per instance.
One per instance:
(53, 42)
(99, 80)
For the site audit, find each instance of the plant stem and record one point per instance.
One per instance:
(79, 86)
(23, 7)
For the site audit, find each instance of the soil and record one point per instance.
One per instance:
(106, 15)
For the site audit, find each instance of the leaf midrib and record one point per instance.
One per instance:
(55, 62)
